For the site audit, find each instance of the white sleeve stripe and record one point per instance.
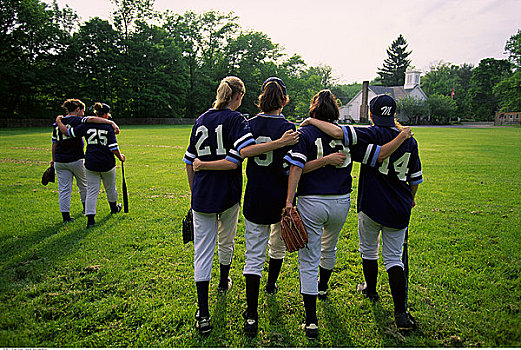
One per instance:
(188, 154)
(113, 144)
(419, 173)
(298, 155)
(367, 153)
(237, 154)
(71, 131)
(353, 134)
(242, 139)
(84, 119)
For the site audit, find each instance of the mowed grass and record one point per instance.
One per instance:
(128, 282)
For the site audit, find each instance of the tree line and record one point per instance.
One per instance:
(150, 64)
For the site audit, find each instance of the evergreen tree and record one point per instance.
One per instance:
(394, 67)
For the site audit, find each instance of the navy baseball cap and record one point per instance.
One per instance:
(382, 109)
(278, 80)
(106, 108)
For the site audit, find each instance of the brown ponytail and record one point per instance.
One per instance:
(72, 104)
(324, 106)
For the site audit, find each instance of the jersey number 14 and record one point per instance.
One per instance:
(400, 166)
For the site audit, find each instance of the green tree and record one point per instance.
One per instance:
(513, 48)
(393, 71)
(412, 108)
(202, 39)
(155, 75)
(128, 11)
(508, 93)
(33, 36)
(95, 55)
(441, 109)
(443, 77)
(485, 76)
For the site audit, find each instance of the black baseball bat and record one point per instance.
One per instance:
(125, 194)
(405, 260)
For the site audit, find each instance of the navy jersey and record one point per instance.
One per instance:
(384, 192)
(216, 135)
(101, 141)
(68, 149)
(265, 194)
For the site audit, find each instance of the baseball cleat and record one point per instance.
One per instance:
(271, 290)
(202, 323)
(116, 209)
(322, 295)
(251, 325)
(404, 321)
(311, 331)
(225, 289)
(362, 288)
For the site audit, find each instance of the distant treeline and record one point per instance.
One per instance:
(149, 64)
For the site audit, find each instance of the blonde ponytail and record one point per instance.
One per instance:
(227, 88)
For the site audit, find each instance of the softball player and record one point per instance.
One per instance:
(323, 196)
(386, 195)
(219, 133)
(68, 156)
(264, 198)
(265, 193)
(100, 163)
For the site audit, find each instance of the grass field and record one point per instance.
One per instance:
(128, 282)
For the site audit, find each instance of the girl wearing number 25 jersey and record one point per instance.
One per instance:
(220, 138)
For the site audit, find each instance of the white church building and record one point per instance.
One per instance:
(350, 112)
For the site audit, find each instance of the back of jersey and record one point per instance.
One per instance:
(68, 149)
(266, 189)
(384, 192)
(328, 180)
(216, 135)
(101, 141)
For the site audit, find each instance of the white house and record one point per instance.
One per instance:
(351, 111)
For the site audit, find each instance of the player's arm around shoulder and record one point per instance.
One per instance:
(289, 138)
(391, 146)
(222, 164)
(328, 128)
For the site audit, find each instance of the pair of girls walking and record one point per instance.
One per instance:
(89, 169)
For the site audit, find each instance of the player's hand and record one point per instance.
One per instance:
(58, 118)
(115, 127)
(197, 164)
(306, 121)
(413, 203)
(406, 131)
(52, 163)
(289, 138)
(122, 158)
(335, 159)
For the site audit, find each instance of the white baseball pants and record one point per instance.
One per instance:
(323, 217)
(207, 228)
(94, 179)
(369, 241)
(258, 237)
(65, 172)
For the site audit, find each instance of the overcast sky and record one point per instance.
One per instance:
(352, 36)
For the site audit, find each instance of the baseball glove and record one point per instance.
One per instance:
(188, 227)
(48, 175)
(293, 231)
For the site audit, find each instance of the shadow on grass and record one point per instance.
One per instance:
(389, 333)
(332, 322)
(30, 262)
